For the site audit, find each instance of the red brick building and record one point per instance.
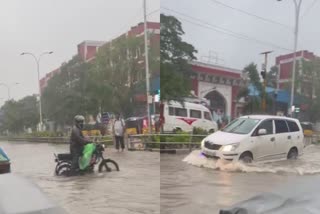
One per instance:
(285, 65)
(87, 50)
(220, 85)
(46, 78)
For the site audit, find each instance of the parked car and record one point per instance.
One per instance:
(307, 129)
(4, 162)
(256, 138)
(178, 117)
(139, 125)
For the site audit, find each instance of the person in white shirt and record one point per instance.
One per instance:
(118, 132)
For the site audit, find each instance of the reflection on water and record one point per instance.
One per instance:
(135, 189)
(193, 184)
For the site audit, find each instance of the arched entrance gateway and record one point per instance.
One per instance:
(220, 85)
(218, 106)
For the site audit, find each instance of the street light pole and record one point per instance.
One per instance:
(37, 60)
(147, 63)
(297, 4)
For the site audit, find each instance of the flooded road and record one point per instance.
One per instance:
(193, 184)
(135, 189)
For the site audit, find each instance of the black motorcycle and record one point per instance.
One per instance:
(64, 161)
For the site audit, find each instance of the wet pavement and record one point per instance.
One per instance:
(135, 189)
(193, 184)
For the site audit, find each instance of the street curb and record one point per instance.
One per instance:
(175, 151)
(163, 151)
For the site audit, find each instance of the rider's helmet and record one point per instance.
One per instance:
(79, 121)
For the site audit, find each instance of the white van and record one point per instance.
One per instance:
(256, 138)
(187, 117)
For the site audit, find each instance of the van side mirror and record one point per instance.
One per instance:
(262, 132)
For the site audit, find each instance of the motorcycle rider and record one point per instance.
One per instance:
(77, 142)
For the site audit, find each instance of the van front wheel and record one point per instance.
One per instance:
(246, 157)
(177, 130)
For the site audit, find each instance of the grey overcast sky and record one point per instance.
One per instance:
(57, 25)
(237, 52)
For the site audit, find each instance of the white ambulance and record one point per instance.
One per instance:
(178, 117)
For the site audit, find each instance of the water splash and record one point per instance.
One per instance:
(308, 164)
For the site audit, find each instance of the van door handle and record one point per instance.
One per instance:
(272, 139)
(289, 137)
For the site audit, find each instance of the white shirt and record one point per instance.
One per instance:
(118, 127)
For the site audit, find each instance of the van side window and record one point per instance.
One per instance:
(171, 111)
(267, 125)
(182, 112)
(207, 116)
(195, 113)
(281, 126)
(293, 127)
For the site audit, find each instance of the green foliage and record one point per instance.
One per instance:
(45, 134)
(21, 114)
(252, 72)
(272, 77)
(199, 131)
(109, 81)
(175, 56)
(310, 78)
(254, 102)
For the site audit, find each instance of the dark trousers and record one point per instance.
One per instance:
(119, 141)
(76, 153)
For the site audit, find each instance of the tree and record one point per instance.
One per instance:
(272, 76)
(116, 72)
(64, 97)
(175, 55)
(309, 80)
(253, 79)
(17, 115)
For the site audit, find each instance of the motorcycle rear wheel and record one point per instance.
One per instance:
(63, 169)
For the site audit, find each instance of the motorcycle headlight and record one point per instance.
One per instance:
(103, 146)
(230, 148)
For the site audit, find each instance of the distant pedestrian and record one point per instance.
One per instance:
(118, 132)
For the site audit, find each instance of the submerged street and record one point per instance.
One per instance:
(134, 189)
(193, 184)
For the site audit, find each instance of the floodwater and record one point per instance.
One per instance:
(135, 189)
(194, 184)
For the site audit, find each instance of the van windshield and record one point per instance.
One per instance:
(241, 126)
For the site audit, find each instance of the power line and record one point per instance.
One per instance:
(218, 29)
(152, 12)
(309, 8)
(137, 15)
(251, 14)
(124, 27)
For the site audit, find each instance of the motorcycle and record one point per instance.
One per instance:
(64, 161)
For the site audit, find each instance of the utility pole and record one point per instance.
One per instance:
(264, 76)
(297, 4)
(147, 64)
